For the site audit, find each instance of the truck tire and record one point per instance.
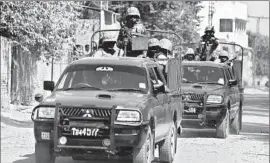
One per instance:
(168, 146)
(222, 130)
(235, 125)
(44, 153)
(145, 154)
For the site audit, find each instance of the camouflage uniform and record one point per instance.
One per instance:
(132, 28)
(207, 37)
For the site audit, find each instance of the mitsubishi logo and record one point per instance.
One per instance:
(187, 97)
(88, 113)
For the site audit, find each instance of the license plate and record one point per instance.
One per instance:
(84, 131)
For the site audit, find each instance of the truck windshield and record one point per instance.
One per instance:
(104, 77)
(203, 75)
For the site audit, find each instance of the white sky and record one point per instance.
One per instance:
(258, 8)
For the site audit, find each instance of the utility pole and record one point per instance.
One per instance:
(211, 12)
(255, 51)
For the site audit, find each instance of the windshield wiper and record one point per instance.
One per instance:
(209, 83)
(126, 89)
(84, 87)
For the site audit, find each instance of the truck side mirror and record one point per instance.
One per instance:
(48, 85)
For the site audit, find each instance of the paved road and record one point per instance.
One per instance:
(251, 146)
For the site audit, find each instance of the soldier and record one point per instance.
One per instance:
(210, 38)
(131, 28)
(223, 56)
(166, 47)
(190, 55)
(108, 48)
(153, 47)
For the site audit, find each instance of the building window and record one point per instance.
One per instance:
(226, 25)
(240, 24)
(108, 18)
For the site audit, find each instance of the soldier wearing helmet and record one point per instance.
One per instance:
(108, 47)
(209, 38)
(153, 47)
(166, 47)
(223, 56)
(131, 27)
(190, 55)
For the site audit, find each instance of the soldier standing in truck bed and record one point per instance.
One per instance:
(131, 28)
(107, 47)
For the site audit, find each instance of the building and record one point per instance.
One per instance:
(229, 18)
(230, 21)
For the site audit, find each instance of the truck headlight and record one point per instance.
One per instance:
(214, 99)
(45, 112)
(128, 116)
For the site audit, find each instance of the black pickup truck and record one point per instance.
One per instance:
(108, 108)
(212, 97)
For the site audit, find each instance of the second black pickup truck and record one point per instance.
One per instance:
(212, 97)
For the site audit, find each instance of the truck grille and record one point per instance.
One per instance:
(79, 112)
(193, 97)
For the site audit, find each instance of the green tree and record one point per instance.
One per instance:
(261, 51)
(36, 28)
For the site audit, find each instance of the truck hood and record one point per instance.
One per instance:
(95, 98)
(201, 88)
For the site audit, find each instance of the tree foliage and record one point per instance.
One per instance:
(261, 51)
(39, 27)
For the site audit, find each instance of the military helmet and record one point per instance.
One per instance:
(190, 51)
(224, 53)
(209, 29)
(153, 42)
(133, 11)
(166, 44)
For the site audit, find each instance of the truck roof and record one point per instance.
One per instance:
(204, 63)
(132, 61)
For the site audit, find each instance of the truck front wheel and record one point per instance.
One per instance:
(168, 146)
(44, 153)
(145, 153)
(223, 128)
(236, 123)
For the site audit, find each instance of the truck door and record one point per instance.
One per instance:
(231, 91)
(158, 108)
(174, 81)
(166, 102)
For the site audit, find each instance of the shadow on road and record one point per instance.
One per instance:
(30, 158)
(194, 133)
(16, 123)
